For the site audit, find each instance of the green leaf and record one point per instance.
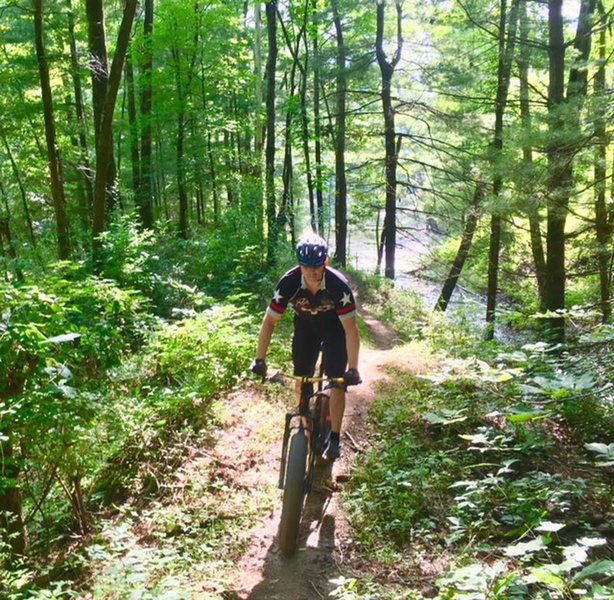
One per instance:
(525, 547)
(477, 438)
(592, 542)
(550, 526)
(467, 484)
(436, 419)
(548, 578)
(601, 567)
(521, 416)
(576, 553)
(604, 450)
(61, 339)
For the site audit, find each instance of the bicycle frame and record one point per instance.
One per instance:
(299, 450)
(307, 416)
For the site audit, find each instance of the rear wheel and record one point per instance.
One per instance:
(294, 493)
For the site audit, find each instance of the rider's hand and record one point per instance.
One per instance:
(352, 377)
(259, 367)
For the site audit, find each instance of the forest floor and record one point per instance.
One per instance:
(326, 550)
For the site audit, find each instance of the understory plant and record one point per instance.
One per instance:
(483, 471)
(101, 404)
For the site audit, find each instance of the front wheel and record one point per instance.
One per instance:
(294, 493)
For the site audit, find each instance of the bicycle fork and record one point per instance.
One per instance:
(284, 452)
(301, 429)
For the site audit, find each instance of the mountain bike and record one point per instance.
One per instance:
(305, 432)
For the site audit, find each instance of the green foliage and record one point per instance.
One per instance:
(57, 341)
(406, 313)
(211, 351)
(181, 276)
(148, 261)
(396, 492)
(463, 462)
(64, 330)
(352, 588)
(182, 368)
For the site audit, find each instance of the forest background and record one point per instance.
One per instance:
(159, 161)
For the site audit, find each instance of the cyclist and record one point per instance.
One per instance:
(324, 316)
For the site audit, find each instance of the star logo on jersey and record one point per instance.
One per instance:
(347, 299)
(277, 296)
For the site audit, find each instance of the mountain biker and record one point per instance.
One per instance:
(324, 316)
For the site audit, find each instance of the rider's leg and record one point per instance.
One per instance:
(305, 350)
(337, 408)
(335, 364)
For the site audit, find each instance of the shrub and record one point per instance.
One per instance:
(56, 342)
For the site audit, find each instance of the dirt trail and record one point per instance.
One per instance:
(325, 540)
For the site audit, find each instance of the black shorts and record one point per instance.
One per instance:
(306, 343)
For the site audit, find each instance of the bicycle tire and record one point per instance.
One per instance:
(294, 493)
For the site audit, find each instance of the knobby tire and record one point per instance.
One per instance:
(294, 493)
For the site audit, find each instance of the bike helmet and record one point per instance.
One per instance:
(312, 251)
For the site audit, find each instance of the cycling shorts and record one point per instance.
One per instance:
(309, 337)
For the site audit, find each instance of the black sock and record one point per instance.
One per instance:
(334, 436)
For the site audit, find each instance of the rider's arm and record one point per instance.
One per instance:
(352, 341)
(266, 331)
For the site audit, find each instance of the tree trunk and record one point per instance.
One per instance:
(53, 152)
(305, 132)
(380, 242)
(182, 86)
(387, 71)
(179, 157)
(5, 232)
(22, 192)
(340, 177)
(133, 126)
(99, 66)
(560, 151)
(259, 123)
(316, 122)
(75, 494)
(537, 246)
(104, 147)
(602, 227)
(506, 51)
(200, 202)
(75, 171)
(286, 213)
(11, 504)
(145, 193)
(463, 250)
(271, 15)
(212, 171)
(86, 168)
(230, 167)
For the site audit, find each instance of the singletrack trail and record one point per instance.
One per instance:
(325, 548)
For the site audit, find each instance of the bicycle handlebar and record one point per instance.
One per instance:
(303, 379)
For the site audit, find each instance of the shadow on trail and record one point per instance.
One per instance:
(306, 574)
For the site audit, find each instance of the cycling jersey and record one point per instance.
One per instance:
(333, 298)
